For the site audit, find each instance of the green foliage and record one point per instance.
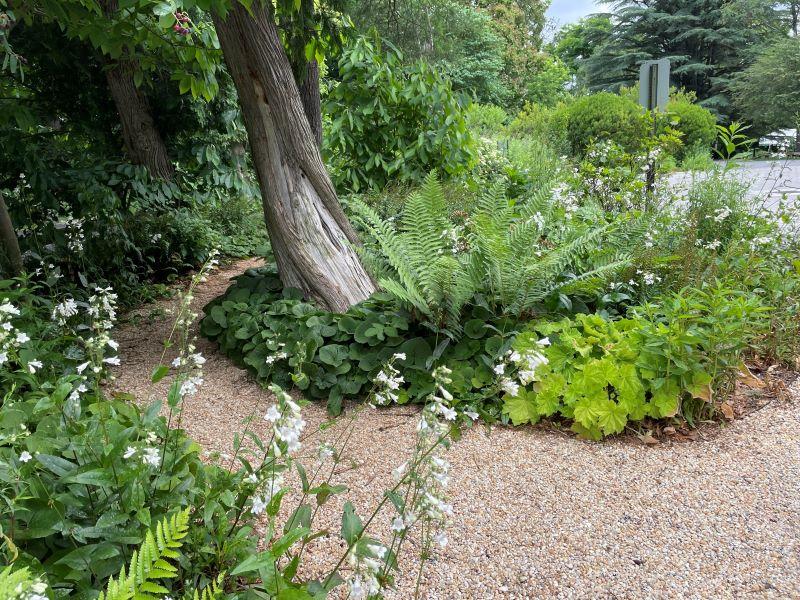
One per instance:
(605, 116)
(77, 493)
(390, 121)
(516, 255)
(18, 584)
(696, 124)
(705, 48)
(664, 361)
(152, 230)
(486, 119)
(417, 264)
(548, 125)
(766, 92)
(458, 39)
(150, 562)
(547, 85)
(731, 140)
(336, 356)
(576, 42)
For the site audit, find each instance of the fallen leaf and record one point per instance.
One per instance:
(727, 411)
(669, 430)
(648, 439)
(747, 378)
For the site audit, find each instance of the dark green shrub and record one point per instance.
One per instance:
(336, 356)
(606, 116)
(393, 121)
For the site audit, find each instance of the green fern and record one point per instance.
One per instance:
(213, 591)
(519, 253)
(415, 262)
(150, 562)
(15, 583)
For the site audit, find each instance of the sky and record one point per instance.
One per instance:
(569, 11)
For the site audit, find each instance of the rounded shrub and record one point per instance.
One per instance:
(697, 124)
(605, 116)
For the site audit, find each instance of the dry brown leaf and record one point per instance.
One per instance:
(669, 430)
(747, 378)
(704, 393)
(648, 439)
(727, 411)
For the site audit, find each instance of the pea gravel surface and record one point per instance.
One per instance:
(539, 513)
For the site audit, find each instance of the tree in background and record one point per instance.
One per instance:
(769, 19)
(768, 92)
(705, 48)
(487, 48)
(549, 81)
(576, 42)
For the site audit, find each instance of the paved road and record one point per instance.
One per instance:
(769, 181)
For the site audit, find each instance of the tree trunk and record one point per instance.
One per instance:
(310, 235)
(143, 142)
(312, 105)
(9, 241)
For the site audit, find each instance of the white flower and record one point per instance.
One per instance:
(252, 478)
(81, 368)
(25, 456)
(114, 345)
(440, 538)
(40, 587)
(22, 338)
(545, 341)
(500, 369)
(273, 414)
(397, 472)
(63, 311)
(399, 356)
(3, 358)
(190, 386)
(509, 386)
(198, 359)
(176, 362)
(447, 412)
(112, 360)
(398, 525)
(33, 365)
(471, 414)
(357, 589)
(259, 505)
(8, 308)
(377, 551)
(151, 457)
(129, 451)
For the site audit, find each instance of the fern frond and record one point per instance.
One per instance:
(213, 591)
(149, 562)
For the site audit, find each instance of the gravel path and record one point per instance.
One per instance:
(539, 514)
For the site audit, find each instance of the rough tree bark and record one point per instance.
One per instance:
(143, 142)
(9, 241)
(310, 235)
(312, 104)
